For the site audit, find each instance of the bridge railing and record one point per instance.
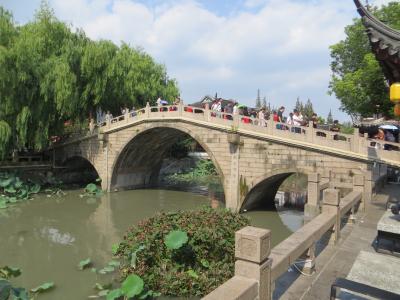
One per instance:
(347, 142)
(256, 263)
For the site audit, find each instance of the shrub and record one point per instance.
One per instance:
(195, 265)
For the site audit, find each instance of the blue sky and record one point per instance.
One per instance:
(231, 47)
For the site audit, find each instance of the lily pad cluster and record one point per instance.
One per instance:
(9, 292)
(182, 254)
(13, 189)
(92, 189)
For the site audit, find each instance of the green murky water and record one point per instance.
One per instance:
(48, 237)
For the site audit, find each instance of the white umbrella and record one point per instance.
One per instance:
(389, 127)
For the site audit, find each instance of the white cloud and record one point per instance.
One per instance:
(282, 47)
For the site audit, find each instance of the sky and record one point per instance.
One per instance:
(232, 48)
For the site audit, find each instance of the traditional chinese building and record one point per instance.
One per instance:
(385, 43)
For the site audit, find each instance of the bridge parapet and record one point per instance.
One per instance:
(348, 144)
(300, 244)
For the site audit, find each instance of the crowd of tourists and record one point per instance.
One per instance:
(295, 121)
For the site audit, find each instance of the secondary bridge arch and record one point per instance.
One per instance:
(263, 190)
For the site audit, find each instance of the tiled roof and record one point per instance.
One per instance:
(385, 42)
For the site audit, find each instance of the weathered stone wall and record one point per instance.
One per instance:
(131, 156)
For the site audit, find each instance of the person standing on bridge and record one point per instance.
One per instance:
(261, 117)
(159, 102)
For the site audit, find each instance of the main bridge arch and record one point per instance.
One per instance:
(139, 161)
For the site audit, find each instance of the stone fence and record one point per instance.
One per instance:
(303, 136)
(258, 266)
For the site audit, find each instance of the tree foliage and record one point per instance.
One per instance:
(357, 78)
(50, 74)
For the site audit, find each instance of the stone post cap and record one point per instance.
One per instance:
(314, 177)
(331, 197)
(253, 244)
(358, 180)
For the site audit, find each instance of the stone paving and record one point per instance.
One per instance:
(337, 261)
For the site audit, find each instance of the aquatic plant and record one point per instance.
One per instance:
(184, 253)
(8, 291)
(13, 189)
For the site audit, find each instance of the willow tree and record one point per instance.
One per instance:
(50, 74)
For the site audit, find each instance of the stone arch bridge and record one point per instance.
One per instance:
(251, 160)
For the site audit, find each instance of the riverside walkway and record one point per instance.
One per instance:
(337, 261)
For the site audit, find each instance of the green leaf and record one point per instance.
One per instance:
(114, 249)
(176, 239)
(205, 263)
(19, 294)
(114, 294)
(91, 188)
(103, 293)
(18, 183)
(134, 255)
(8, 272)
(42, 288)
(93, 270)
(114, 263)
(83, 264)
(3, 204)
(132, 286)
(34, 189)
(5, 289)
(5, 182)
(192, 273)
(10, 189)
(107, 269)
(100, 287)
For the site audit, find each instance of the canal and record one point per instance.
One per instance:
(47, 237)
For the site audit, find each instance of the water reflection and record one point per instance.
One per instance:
(48, 237)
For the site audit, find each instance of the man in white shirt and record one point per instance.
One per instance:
(297, 121)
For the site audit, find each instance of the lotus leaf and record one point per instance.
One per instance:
(84, 264)
(114, 248)
(132, 286)
(91, 188)
(106, 270)
(3, 204)
(8, 272)
(103, 293)
(19, 294)
(18, 183)
(114, 294)
(114, 263)
(176, 239)
(42, 288)
(192, 273)
(10, 189)
(134, 255)
(34, 189)
(5, 182)
(5, 289)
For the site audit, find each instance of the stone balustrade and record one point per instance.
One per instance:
(257, 267)
(304, 136)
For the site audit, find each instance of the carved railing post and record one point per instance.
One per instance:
(359, 185)
(355, 141)
(147, 110)
(270, 126)
(331, 204)
(310, 132)
(252, 248)
(313, 206)
(207, 112)
(180, 108)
